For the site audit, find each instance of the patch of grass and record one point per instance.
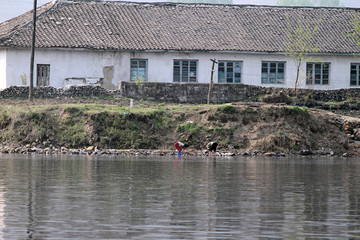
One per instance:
(36, 117)
(227, 135)
(72, 132)
(191, 133)
(189, 126)
(73, 110)
(223, 114)
(298, 110)
(250, 110)
(159, 119)
(297, 147)
(331, 104)
(4, 119)
(227, 109)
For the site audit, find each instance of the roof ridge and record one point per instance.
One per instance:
(202, 4)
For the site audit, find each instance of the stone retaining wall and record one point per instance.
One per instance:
(183, 93)
(224, 93)
(51, 92)
(190, 93)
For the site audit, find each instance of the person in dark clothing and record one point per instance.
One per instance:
(211, 146)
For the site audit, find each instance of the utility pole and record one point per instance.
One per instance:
(32, 54)
(211, 79)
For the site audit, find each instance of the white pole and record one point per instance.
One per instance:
(131, 103)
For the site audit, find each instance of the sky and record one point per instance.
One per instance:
(13, 8)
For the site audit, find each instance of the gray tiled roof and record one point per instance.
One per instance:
(169, 26)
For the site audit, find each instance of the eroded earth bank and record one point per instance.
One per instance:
(110, 126)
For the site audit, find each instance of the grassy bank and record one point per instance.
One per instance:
(240, 127)
(103, 125)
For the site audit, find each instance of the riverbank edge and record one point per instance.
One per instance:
(6, 150)
(217, 121)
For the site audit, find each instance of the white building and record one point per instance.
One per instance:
(108, 42)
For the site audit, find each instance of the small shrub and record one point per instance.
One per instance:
(218, 129)
(227, 109)
(159, 119)
(36, 117)
(79, 139)
(298, 110)
(250, 110)
(296, 147)
(23, 79)
(74, 111)
(139, 81)
(188, 126)
(4, 120)
(191, 133)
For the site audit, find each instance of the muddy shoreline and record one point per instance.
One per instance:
(153, 152)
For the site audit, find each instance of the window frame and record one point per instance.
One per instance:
(137, 70)
(357, 77)
(182, 72)
(278, 80)
(314, 80)
(225, 77)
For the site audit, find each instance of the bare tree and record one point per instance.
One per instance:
(300, 43)
(355, 31)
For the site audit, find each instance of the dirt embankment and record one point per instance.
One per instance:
(244, 128)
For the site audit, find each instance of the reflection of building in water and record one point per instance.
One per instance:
(2, 210)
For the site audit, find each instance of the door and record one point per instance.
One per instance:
(43, 75)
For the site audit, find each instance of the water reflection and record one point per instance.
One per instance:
(86, 197)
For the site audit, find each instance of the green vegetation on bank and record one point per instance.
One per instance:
(80, 125)
(150, 125)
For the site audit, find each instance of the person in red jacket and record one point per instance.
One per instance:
(179, 147)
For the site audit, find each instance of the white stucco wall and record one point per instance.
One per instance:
(91, 64)
(63, 64)
(2, 68)
(160, 68)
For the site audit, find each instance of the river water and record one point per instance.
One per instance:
(113, 197)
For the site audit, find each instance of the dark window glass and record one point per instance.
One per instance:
(138, 70)
(229, 72)
(317, 73)
(185, 71)
(272, 72)
(355, 74)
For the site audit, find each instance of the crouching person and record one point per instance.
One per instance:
(180, 147)
(211, 147)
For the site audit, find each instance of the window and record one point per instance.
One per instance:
(185, 70)
(317, 73)
(43, 75)
(272, 72)
(138, 69)
(355, 74)
(229, 72)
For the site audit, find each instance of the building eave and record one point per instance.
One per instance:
(178, 51)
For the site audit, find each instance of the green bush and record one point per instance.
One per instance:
(227, 109)
(4, 120)
(188, 126)
(298, 110)
(36, 117)
(296, 147)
